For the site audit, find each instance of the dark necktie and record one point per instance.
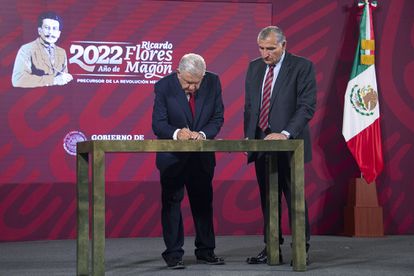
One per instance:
(191, 103)
(51, 53)
(267, 89)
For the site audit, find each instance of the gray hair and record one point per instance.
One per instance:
(193, 64)
(265, 32)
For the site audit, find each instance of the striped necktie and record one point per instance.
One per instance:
(267, 89)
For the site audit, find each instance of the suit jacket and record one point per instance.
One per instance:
(171, 111)
(293, 99)
(33, 68)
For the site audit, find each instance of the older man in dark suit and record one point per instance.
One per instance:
(188, 106)
(280, 100)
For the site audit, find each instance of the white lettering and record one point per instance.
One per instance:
(113, 137)
(139, 137)
(149, 69)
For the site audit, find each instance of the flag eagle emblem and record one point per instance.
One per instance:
(364, 99)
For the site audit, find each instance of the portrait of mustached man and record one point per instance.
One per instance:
(41, 62)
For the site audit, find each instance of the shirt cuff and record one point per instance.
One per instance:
(176, 134)
(286, 133)
(203, 134)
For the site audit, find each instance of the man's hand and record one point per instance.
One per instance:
(276, 136)
(62, 79)
(196, 136)
(184, 134)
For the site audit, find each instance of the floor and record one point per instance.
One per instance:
(330, 255)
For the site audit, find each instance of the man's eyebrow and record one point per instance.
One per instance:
(261, 47)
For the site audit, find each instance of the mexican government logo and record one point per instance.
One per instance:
(73, 137)
(70, 140)
(364, 99)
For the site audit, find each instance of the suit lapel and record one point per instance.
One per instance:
(45, 60)
(261, 70)
(283, 74)
(182, 100)
(200, 98)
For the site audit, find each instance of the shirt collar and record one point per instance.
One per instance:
(53, 46)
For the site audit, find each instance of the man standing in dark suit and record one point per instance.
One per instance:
(188, 106)
(280, 100)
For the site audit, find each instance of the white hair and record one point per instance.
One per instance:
(193, 64)
(265, 32)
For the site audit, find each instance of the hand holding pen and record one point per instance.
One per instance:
(61, 78)
(184, 134)
(187, 134)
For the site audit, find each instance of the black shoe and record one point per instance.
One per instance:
(261, 258)
(175, 264)
(210, 258)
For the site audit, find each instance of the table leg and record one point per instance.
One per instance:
(98, 213)
(298, 211)
(272, 205)
(82, 246)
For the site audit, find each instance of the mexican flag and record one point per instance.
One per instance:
(361, 121)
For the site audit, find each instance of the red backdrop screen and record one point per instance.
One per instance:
(117, 49)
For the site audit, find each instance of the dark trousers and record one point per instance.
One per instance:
(198, 183)
(283, 164)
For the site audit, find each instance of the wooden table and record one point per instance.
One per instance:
(94, 151)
